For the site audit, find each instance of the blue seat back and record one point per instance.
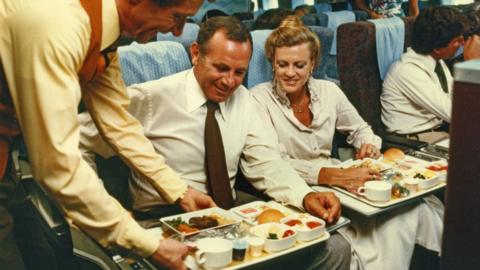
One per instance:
(153, 60)
(188, 36)
(259, 70)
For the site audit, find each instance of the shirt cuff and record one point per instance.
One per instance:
(313, 173)
(135, 238)
(300, 193)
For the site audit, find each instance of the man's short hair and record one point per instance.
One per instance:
(233, 28)
(435, 27)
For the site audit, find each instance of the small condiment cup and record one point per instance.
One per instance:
(255, 246)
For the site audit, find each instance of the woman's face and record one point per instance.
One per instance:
(293, 66)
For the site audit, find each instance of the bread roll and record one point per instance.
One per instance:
(270, 215)
(393, 154)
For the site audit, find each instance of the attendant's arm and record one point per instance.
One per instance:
(107, 101)
(46, 93)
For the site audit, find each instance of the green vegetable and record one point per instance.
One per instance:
(272, 236)
(174, 223)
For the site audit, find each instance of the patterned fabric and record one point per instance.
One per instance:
(188, 36)
(389, 36)
(150, 61)
(388, 8)
(259, 69)
(358, 68)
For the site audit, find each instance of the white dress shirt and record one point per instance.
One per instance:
(308, 149)
(412, 98)
(173, 111)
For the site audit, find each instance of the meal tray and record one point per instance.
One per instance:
(409, 161)
(205, 212)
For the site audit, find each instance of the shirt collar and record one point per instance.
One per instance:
(195, 96)
(282, 95)
(110, 23)
(428, 61)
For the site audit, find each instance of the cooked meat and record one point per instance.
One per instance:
(203, 222)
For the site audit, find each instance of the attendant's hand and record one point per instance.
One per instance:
(471, 49)
(323, 204)
(170, 254)
(367, 150)
(195, 200)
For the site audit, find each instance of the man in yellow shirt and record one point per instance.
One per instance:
(50, 59)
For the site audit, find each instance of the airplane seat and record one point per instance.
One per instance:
(259, 69)
(359, 70)
(151, 61)
(188, 36)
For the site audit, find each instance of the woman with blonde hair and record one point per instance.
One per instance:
(302, 114)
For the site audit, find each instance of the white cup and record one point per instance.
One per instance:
(214, 252)
(255, 246)
(378, 191)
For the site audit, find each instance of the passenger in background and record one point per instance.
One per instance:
(417, 91)
(303, 10)
(271, 18)
(377, 9)
(173, 111)
(473, 30)
(301, 114)
(213, 13)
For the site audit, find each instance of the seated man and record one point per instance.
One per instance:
(377, 9)
(416, 98)
(182, 113)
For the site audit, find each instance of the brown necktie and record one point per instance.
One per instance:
(216, 167)
(441, 76)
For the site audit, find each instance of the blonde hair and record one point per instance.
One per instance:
(292, 32)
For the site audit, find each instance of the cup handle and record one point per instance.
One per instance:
(361, 191)
(200, 257)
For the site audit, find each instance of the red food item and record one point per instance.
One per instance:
(293, 222)
(313, 224)
(249, 210)
(287, 233)
(437, 168)
(186, 229)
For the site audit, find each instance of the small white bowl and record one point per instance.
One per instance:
(303, 220)
(274, 245)
(432, 179)
(428, 183)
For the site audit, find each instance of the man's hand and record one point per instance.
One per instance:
(170, 254)
(195, 200)
(472, 48)
(323, 204)
(367, 150)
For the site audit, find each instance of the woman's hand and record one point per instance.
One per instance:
(350, 179)
(367, 150)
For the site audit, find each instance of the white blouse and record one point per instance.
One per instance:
(308, 149)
